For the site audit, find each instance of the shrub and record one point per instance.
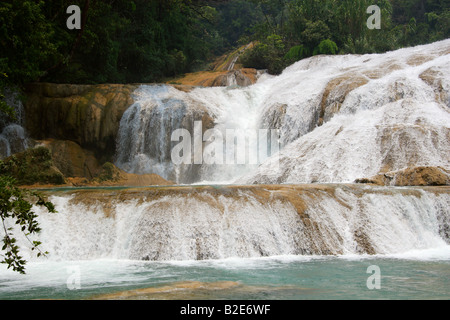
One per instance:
(326, 47)
(266, 55)
(32, 166)
(296, 53)
(109, 173)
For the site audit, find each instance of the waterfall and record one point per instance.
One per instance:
(13, 137)
(145, 144)
(347, 117)
(339, 118)
(144, 137)
(195, 223)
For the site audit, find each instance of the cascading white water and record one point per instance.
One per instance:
(340, 118)
(143, 144)
(144, 141)
(13, 137)
(347, 117)
(209, 224)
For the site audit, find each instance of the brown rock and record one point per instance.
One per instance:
(241, 77)
(71, 159)
(414, 176)
(335, 93)
(382, 71)
(422, 176)
(418, 59)
(236, 77)
(86, 114)
(110, 175)
(434, 78)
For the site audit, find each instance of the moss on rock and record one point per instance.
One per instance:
(32, 166)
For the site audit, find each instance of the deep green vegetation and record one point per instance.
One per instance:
(124, 41)
(16, 208)
(119, 41)
(296, 29)
(109, 172)
(34, 165)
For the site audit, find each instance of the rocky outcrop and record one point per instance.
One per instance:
(180, 291)
(32, 166)
(436, 79)
(415, 176)
(86, 114)
(72, 160)
(54, 163)
(335, 93)
(240, 77)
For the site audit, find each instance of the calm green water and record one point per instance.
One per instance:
(286, 277)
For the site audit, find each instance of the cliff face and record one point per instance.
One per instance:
(80, 123)
(88, 115)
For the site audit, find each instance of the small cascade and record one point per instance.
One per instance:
(13, 137)
(144, 141)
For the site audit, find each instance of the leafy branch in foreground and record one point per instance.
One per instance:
(16, 205)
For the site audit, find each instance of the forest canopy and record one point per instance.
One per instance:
(123, 41)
